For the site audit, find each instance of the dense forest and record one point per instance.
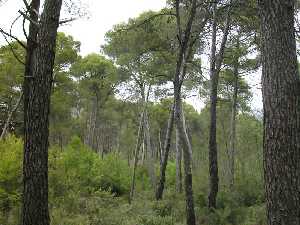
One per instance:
(109, 138)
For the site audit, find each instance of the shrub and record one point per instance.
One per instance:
(80, 170)
(162, 208)
(10, 172)
(155, 220)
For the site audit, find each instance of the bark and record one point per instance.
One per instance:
(178, 162)
(184, 55)
(150, 162)
(187, 159)
(233, 122)
(215, 66)
(136, 155)
(10, 115)
(166, 150)
(140, 139)
(160, 149)
(37, 91)
(281, 101)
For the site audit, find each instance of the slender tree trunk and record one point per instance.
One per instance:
(215, 66)
(281, 101)
(166, 150)
(37, 104)
(136, 155)
(178, 162)
(160, 149)
(140, 138)
(233, 122)
(10, 115)
(187, 159)
(150, 162)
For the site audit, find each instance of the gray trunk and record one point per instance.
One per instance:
(136, 155)
(178, 162)
(150, 161)
(9, 118)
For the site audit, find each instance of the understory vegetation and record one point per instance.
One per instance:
(88, 189)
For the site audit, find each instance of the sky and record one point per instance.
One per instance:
(102, 15)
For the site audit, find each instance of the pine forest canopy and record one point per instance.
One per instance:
(116, 136)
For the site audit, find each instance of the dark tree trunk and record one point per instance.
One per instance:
(37, 102)
(213, 153)
(215, 66)
(281, 101)
(166, 150)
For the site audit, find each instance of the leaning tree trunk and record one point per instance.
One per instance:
(281, 101)
(150, 160)
(178, 162)
(9, 118)
(136, 155)
(37, 102)
(166, 150)
(215, 66)
(187, 159)
(139, 141)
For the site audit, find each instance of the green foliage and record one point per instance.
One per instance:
(156, 220)
(83, 172)
(163, 208)
(10, 172)
(86, 189)
(11, 78)
(171, 174)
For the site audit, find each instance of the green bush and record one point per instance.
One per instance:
(79, 170)
(162, 208)
(113, 174)
(10, 172)
(156, 220)
(250, 191)
(171, 174)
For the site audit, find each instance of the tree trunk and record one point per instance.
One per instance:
(140, 138)
(37, 91)
(136, 155)
(215, 66)
(233, 121)
(281, 101)
(150, 162)
(178, 162)
(160, 149)
(10, 115)
(187, 159)
(166, 150)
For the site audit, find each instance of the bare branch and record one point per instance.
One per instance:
(64, 21)
(28, 18)
(4, 33)
(12, 49)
